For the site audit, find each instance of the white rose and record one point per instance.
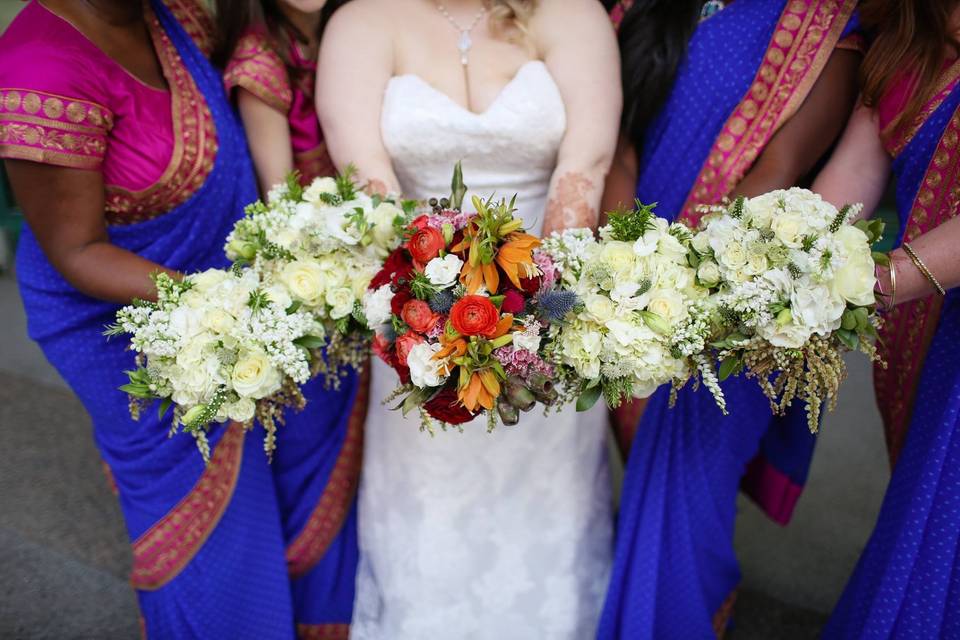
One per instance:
(185, 321)
(709, 273)
(382, 218)
(673, 249)
(701, 243)
(618, 256)
(443, 271)
(305, 281)
(789, 227)
(733, 257)
(760, 211)
(855, 281)
(788, 336)
(853, 241)
(279, 296)
(286, 238)
(254, 377)
(599, 308)
(341, 302)
(424, 370)
(242, 410)
(668, 304)
(217, 320)
(206, 280)
(756, 264)
(319, 187)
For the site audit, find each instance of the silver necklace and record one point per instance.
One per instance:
(711, 8)
(464, 43)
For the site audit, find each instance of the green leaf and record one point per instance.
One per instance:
(293, 308)
(311, 342)
(730, 366)
(589, 398)
(883, 259)
(164, 406)
(849, 339)
(457, 188)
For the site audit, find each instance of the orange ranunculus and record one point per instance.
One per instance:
(419, 316)
(481, 390)
(474, 316)
(405, 343)
(425, 245)
(515, 257)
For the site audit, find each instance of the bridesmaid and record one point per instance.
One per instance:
(127, 159)
(269, 49)
(718, 102)
(907, 583)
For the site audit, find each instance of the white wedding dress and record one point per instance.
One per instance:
(504, 535)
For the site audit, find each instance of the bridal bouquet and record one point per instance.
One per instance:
(322, 246)
(459, 311)
(219, 345)
(793, 286)
(643, 319)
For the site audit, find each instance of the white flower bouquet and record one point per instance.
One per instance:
(642, 320)
(219, 345)
(320, 246)
(793, 286)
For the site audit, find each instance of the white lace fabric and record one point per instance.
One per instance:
(478, 535)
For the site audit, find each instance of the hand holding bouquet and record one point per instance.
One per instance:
(219, 345)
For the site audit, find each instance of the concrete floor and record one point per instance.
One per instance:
(64, 557)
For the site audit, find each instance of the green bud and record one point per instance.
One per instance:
(242, 249)
(849, 321)
(655, 322)
(193, 414)
(784, 318)
(502, 341)
(447, 231)
(509, 414)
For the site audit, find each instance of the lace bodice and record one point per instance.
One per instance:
(509, 148)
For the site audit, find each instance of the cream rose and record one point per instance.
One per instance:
(618, 256)
(254, 377)
(319, 187)
(242, 410)
(708, 273)
(790, 228)
(855, 281)
(668, 304)
(305, 281)
(341, 302)
(217, 320)
(599, 308)
(382, 219)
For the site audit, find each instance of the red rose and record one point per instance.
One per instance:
(382, 348)
(446, 407)
(530, 286)
(425, 245)
(419, 316)
(513, 302)
(399, 299)
(395, 267)
(474, 316)
(405, 343)
(420, 222)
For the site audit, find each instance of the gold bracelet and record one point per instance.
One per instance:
(923, 268)
(892, 270)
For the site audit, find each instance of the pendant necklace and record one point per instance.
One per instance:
(464, 43)
(710, 8)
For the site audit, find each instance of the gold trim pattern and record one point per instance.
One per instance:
(909, 328)
(53, 129)
(195, 143)
(161, 553)
(197, 21)
(803, 40)
(721, 619)
(256, 67)
(327, 519)
(945, 87)
(323, 631)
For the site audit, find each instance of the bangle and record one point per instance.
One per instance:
(923, 268)
(892, 269)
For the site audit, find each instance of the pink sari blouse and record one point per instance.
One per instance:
(64, 102)
(257, 68)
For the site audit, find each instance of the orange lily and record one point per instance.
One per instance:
(482, 390)
(515, 253)
(451, 347)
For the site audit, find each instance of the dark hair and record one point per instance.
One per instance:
(653, 41)
(910, 36)
(235, 17)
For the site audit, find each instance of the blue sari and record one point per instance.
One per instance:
(907, 582)
(675, 572)
(211, 545)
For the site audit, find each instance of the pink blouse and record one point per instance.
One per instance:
(256, 67)
(64, 102)
(895, 101)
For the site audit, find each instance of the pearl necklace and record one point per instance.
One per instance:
(464, 43)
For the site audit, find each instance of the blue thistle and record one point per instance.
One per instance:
(442, 301)
(555, 305)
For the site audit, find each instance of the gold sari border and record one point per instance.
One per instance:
(803, 40)
(721, 619)
(257, 68)
(323, 631)
(327, 518)
(909, 329)
(194, 144)
(896, 144)
(197, 21)
(162, 552)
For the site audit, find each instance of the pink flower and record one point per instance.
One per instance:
(547, 268)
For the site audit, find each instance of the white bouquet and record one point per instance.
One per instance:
(321, 245)
(793, 283)
(642, 320)
(219, 345)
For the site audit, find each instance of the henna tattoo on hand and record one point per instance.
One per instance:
(570, 205)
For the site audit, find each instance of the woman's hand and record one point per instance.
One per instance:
(268, 133)
(64, 208)
(580, 51)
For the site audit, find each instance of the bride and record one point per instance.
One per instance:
(479, 535)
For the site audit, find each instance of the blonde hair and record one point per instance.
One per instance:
(509, 18)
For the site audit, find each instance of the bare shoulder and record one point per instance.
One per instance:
(557, 20)
(364, 15)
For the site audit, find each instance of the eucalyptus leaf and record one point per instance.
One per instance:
(589, 398)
